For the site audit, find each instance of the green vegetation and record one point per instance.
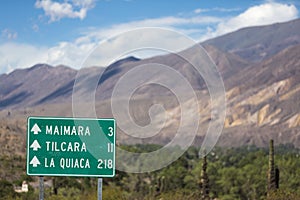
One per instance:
(227, 173)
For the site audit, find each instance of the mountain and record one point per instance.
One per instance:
(262, 90)
(29, 87)
(264, 101)
(45, 84)
(261, 42)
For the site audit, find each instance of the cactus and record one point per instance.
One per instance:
(159, 187)
(162, 184)
(277, 177)
(204, 180)
(273, 174)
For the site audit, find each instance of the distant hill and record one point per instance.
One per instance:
(29, 87)
(261, 42)
(44, 84)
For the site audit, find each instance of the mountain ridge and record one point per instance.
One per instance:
(259, 42)
(262, 95)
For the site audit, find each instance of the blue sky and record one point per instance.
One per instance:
(66, 31)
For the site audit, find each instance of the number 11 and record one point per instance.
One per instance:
(110, 147)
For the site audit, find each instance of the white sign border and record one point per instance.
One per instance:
(68, 118)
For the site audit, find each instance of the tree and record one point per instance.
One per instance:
(6, 190)
(273, 174)
(204, 183)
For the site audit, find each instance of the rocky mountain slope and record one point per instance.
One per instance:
(264, 100)
(261, 42)
(260, 67)
(25, 87)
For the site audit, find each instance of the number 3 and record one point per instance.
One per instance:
(111, 131)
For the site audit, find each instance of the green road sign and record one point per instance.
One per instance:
(71, 147)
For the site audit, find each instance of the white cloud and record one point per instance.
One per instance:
(141, 42)
(92, 37)
(177, 23)
(169, 22)
(218, 9)
(264, 14)
(15, 55)
(69, 53)
(74, 52)
(200, 10)
(226, 9)
(68, 9)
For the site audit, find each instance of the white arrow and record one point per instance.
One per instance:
(35, 145)
(35, 161)
(35, 129)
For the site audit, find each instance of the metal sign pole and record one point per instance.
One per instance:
(41, 188)
(99, 188)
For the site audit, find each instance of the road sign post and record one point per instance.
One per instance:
(100, 188)
(71, 147)
(41, 182)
